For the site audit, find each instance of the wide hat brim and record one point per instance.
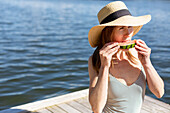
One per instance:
(137, 23)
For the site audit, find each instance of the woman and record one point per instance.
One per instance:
(118, 76)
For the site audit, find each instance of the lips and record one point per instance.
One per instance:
(126, 40)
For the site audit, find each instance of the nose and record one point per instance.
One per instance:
(129, 31)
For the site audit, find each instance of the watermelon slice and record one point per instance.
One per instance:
(127, 44)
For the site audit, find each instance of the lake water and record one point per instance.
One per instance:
(44, 46)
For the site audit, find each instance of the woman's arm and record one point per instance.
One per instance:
(98, 87)
(99, 81)
(155, 83)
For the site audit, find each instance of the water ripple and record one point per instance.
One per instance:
(44, 46)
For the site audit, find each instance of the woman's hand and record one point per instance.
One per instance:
(143, 52)
(106, 53)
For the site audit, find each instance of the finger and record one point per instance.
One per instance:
(114, 58)
(114, 48)
(140, 48)
(112, 51)
(141, 43)
(109, 45)
(142, 53)
(113, 62)
(112, 45)
(109, 51)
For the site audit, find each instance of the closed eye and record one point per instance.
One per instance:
(121, 28)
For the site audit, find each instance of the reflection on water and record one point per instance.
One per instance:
(44, 46)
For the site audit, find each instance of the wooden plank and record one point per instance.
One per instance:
(48, 102)
(155, 107)
(144, 111)
(81, 99)
(84, 101)
(56, 109)
(156, 102)
(148, 108)
(68, 108)
(44, 110)
(145, 108)
(79, 107)
(31, 112)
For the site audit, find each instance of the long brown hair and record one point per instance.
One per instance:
(105, 38)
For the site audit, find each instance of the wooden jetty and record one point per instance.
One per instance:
(77, 102)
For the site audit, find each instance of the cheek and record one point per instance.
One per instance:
(117, 37)
(132, 31)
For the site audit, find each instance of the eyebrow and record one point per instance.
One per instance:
(125, 26)
(121, 26)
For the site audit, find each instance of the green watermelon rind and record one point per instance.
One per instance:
(128, 46)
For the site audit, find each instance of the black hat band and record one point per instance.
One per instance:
(115, 16)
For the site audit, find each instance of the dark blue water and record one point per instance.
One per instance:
(44, 46)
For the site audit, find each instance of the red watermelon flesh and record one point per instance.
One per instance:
(127, 44)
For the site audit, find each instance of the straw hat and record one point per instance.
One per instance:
(115, 14)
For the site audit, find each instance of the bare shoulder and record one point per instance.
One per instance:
(90, 64)
(92, 71)
(92, 75)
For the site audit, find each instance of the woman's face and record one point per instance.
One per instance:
(122, 33)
